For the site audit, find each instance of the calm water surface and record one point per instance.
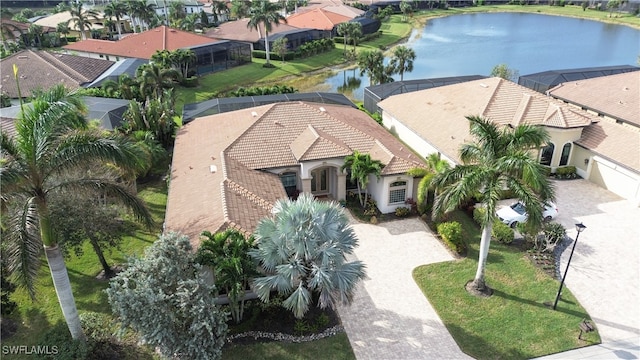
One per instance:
(473, 44)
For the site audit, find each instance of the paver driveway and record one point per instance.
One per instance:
(390, 318)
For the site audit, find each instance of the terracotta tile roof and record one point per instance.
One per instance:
(24, 27)
(238, 30)
(319, 19)
(439, 113)
(41, 69)
(7, 126)
(617, 142)
(216, 178)
(143, 45)
(617, 96)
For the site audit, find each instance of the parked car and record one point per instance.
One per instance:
(516, 213)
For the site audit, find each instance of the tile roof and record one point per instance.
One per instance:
(319, 19)
(617, 96)
(439, 113)
(216, 180)
(54, 19)
(24, 27)
(143, 45)
(7, 126)
(239, 31)
(617, 142)
(335, 7)
(41, 69)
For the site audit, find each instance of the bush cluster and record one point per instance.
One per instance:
(451, 233)
(402, 211)
(566, 173)
(500, 232)
(263, 90)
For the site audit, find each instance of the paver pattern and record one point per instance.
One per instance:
(390, 318)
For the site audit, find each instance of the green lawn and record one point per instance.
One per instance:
(336, 348)
(511, 324)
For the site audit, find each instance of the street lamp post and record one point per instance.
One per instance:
(580, 228)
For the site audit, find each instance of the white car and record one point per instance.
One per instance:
(516, 213)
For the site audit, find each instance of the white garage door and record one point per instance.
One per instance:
(615, 178)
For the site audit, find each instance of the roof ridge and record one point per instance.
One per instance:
(523, 106)
(60, 66)
(248, 194)
(493, 96)
(325, 113)
(225, 209)
(255, 123)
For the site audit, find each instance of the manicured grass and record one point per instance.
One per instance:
(511, 324)
(35, 318)
(335, 347)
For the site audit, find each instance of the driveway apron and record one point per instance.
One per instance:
(390, 318)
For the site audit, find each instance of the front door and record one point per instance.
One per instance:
(320, 181)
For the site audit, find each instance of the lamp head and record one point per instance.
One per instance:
(580, 227)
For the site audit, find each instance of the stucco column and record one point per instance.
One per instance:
(342, 186)
(306, 185)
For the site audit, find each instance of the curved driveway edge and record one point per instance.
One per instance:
(390, 318)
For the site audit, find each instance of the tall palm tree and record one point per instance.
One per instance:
(182, 59)
(402, 60)
(302, 250)
(51, 146)
(81, 18)
(362, 166)
(265, 13)
(63, 29)
(351, 31)
(154, 79)
(116, 10)
(372, 63)
(500, 158)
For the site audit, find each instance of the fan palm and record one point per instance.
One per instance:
(499, 159)
(302, 250)
(51, 147)
(81, 18)
(402, 60)
(361, 166)
(266, 13)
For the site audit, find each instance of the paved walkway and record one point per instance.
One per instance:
(390, 318)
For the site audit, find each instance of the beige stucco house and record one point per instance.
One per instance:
(433, 121)
(229, 169)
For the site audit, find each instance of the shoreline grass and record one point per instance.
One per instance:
(513, 323)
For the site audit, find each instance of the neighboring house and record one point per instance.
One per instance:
(108, 112)
(433, 121)
(319, 19)
(13, 30)
(53, 20)
(238, 30)
(335, 7)
(229, 169)
(543, 81)
(211, 54)
(608, 152)
(163, 8)
(42, 70)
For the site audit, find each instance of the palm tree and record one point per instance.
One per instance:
(266, 13)
(35, 33)
(227, 253)
(361, 166)
(52, 144)
(372, 63)
(402, 60)
(81, 18)
(182, 59)
(219, 8)
(350, 31)
(116, 10)
(500, 158)
(302, 251)
(435, 165)
(153, 79)
(63, 29)
(240, 8)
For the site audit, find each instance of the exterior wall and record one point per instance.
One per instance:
(379, 190)
(578, 157)
(615, 179)
(95, 55)
(560, 137)
(409, 137)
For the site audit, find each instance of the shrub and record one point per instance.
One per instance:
(502, 233)
(566, 172)
(402, 211)
(478, 215)
(451, 233)
(190, 81)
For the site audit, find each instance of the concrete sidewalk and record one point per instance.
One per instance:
(390, 318)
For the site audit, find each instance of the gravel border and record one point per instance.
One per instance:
(286, 337)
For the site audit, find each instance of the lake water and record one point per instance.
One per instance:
(473, 44)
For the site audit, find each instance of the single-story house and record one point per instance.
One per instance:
(211, 54)
(334, 6)
(43, 69)
(319, 19)
(610, 148)
(229, 169)
(545, 80)
(239, 31)
(433, 121)
(53, 20)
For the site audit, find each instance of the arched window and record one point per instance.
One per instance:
(397, 192)
(546, 154)
(566, 151)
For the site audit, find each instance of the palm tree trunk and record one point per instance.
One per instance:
(478, 281)
(266, 44)
(63, 291)
(360, 194)
(108, 273)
